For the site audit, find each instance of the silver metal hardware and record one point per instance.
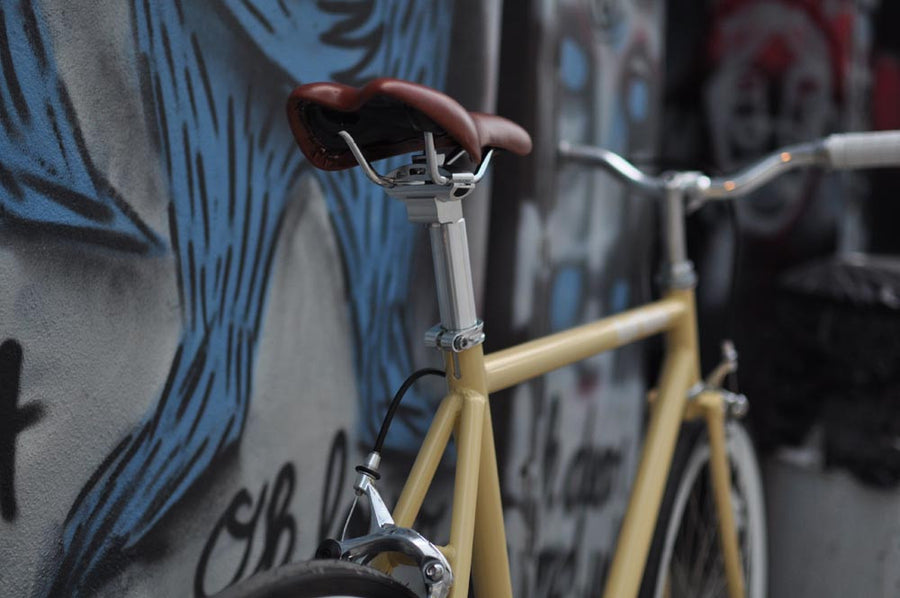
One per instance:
(454, 358)
(483, 168)
(425, 201)
(681, 271)
(373, 460)
(453, 275)
(455, 340)
(675, 187)
(429, 210)
(728, 365)
(460, 180)
(695, 185)
(349, 517)
(433, 161)
(380, 515)
(408, 542)
(696, 390)
(384, 536)
(681, 275)
(363, 163)
(736, 405)
(459, 154)
(760, 173)
(613, 163)
(365, 479)
(694, 189)
(432, 196)
(699, 188)
(434, 571)
(460, 184)
(730, 354)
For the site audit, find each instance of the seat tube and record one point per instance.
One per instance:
(477, 516)
(464, 358)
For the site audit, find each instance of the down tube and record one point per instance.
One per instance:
(679, 373)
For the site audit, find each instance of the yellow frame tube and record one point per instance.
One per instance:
(529, 360)
(427, 461)
(477, 519)
(486, 548)
(476, 525)
(714, 412)
(636, 534)
(681, 371)
(465, 491)
(490, 567)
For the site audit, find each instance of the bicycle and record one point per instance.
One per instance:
(339, 127)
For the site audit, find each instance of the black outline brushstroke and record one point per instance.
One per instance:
(14, 420)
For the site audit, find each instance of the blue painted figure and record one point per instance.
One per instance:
(217, 110)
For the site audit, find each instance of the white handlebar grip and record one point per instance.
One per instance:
(864, 150)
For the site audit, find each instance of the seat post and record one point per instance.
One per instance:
(453, 274)
(440, 207)
(433, 196)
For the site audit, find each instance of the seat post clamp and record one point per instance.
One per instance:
(455, 340)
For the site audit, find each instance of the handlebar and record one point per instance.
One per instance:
(864, 150)
(840, 151)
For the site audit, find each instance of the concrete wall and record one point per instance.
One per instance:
(189, 315)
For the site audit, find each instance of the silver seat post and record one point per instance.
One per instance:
(433, 196)
(453, 274)
(440, 207)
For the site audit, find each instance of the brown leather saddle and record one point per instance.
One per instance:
(388, 117)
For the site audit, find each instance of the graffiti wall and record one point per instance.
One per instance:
(570, 245)
(189, 314)
(880, 210)
(744, 79)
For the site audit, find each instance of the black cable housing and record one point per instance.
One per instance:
(395, 402)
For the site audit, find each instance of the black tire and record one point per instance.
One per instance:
(319, 579)
(682, 562)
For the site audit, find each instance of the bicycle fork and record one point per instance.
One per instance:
(715, 405)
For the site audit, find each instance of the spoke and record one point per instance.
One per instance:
(695, 528)
(721, 586)
(678, 580)
(708, 540)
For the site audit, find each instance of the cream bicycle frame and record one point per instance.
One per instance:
(477, 544)
(477, 536)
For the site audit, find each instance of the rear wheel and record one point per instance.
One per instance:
(319, 579)
(685, 558)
